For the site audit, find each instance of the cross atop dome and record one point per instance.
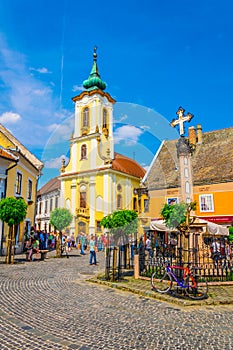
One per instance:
(94, 81)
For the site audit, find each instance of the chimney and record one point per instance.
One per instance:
(199, 133)
(192, 135)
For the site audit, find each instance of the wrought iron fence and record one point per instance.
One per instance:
(118, 260)
(214, 265)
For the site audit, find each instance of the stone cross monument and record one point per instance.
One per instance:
(184, 153)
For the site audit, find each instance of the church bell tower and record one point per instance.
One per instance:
(92, 139)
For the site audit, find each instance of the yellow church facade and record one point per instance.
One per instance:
(96, 181)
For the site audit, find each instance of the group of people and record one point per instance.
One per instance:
(84, 243)
(32, 245)
(221, 250)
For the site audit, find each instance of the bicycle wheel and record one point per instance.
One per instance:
(161, 285)
(199, 292)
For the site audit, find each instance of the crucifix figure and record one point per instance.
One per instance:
(181, 119)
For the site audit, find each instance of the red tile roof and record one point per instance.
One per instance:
(127, 165)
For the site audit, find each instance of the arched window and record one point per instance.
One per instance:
(105, 119)
(119, 201)
(85, 117)
(83, 197)
(84, 152)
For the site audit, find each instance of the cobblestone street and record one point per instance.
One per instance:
(50, 305)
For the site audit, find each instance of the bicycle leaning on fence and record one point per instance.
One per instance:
(195, 286)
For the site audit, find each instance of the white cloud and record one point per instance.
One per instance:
(55, 163)
(42, 70)
(78, 88)
(146, 167)
(40, 92)
(60, 132)
(145, 127)
(29, 97)
(9, 118)
(121, 118)
(52, 127)
(129, 134)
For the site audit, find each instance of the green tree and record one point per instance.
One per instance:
(121, 224)
(178, 215)
(230, 237)
(60, 218)
(12, 211)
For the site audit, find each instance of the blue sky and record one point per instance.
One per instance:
(154, 56)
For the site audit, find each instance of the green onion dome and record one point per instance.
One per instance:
(94, 81)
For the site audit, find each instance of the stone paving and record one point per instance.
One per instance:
(50, 305)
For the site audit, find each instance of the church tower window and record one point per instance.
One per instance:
(105, 119)
(105, 122)
(84, 151)
(85, 120)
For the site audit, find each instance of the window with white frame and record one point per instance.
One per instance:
(56, 202)
(84, 151)
(29, 189)
(51, 204)
(146, 205)
(46, 206)
(119, 201)
(206, 202)
(86, 117)
(105, 118)
(18, 184)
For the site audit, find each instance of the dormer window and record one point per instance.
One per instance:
(84, 151)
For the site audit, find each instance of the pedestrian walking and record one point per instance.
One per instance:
(82, 242)
(92, 250)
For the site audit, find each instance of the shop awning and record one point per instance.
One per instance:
(212, 228)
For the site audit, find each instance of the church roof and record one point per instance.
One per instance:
(51, 185)
(212, 161)
(127, 165)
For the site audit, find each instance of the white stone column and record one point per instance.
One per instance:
(77, 121)
(62, 200)
(113, 197)
(92, 205)
(106, 187)
(73, 204)
(74, 155)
